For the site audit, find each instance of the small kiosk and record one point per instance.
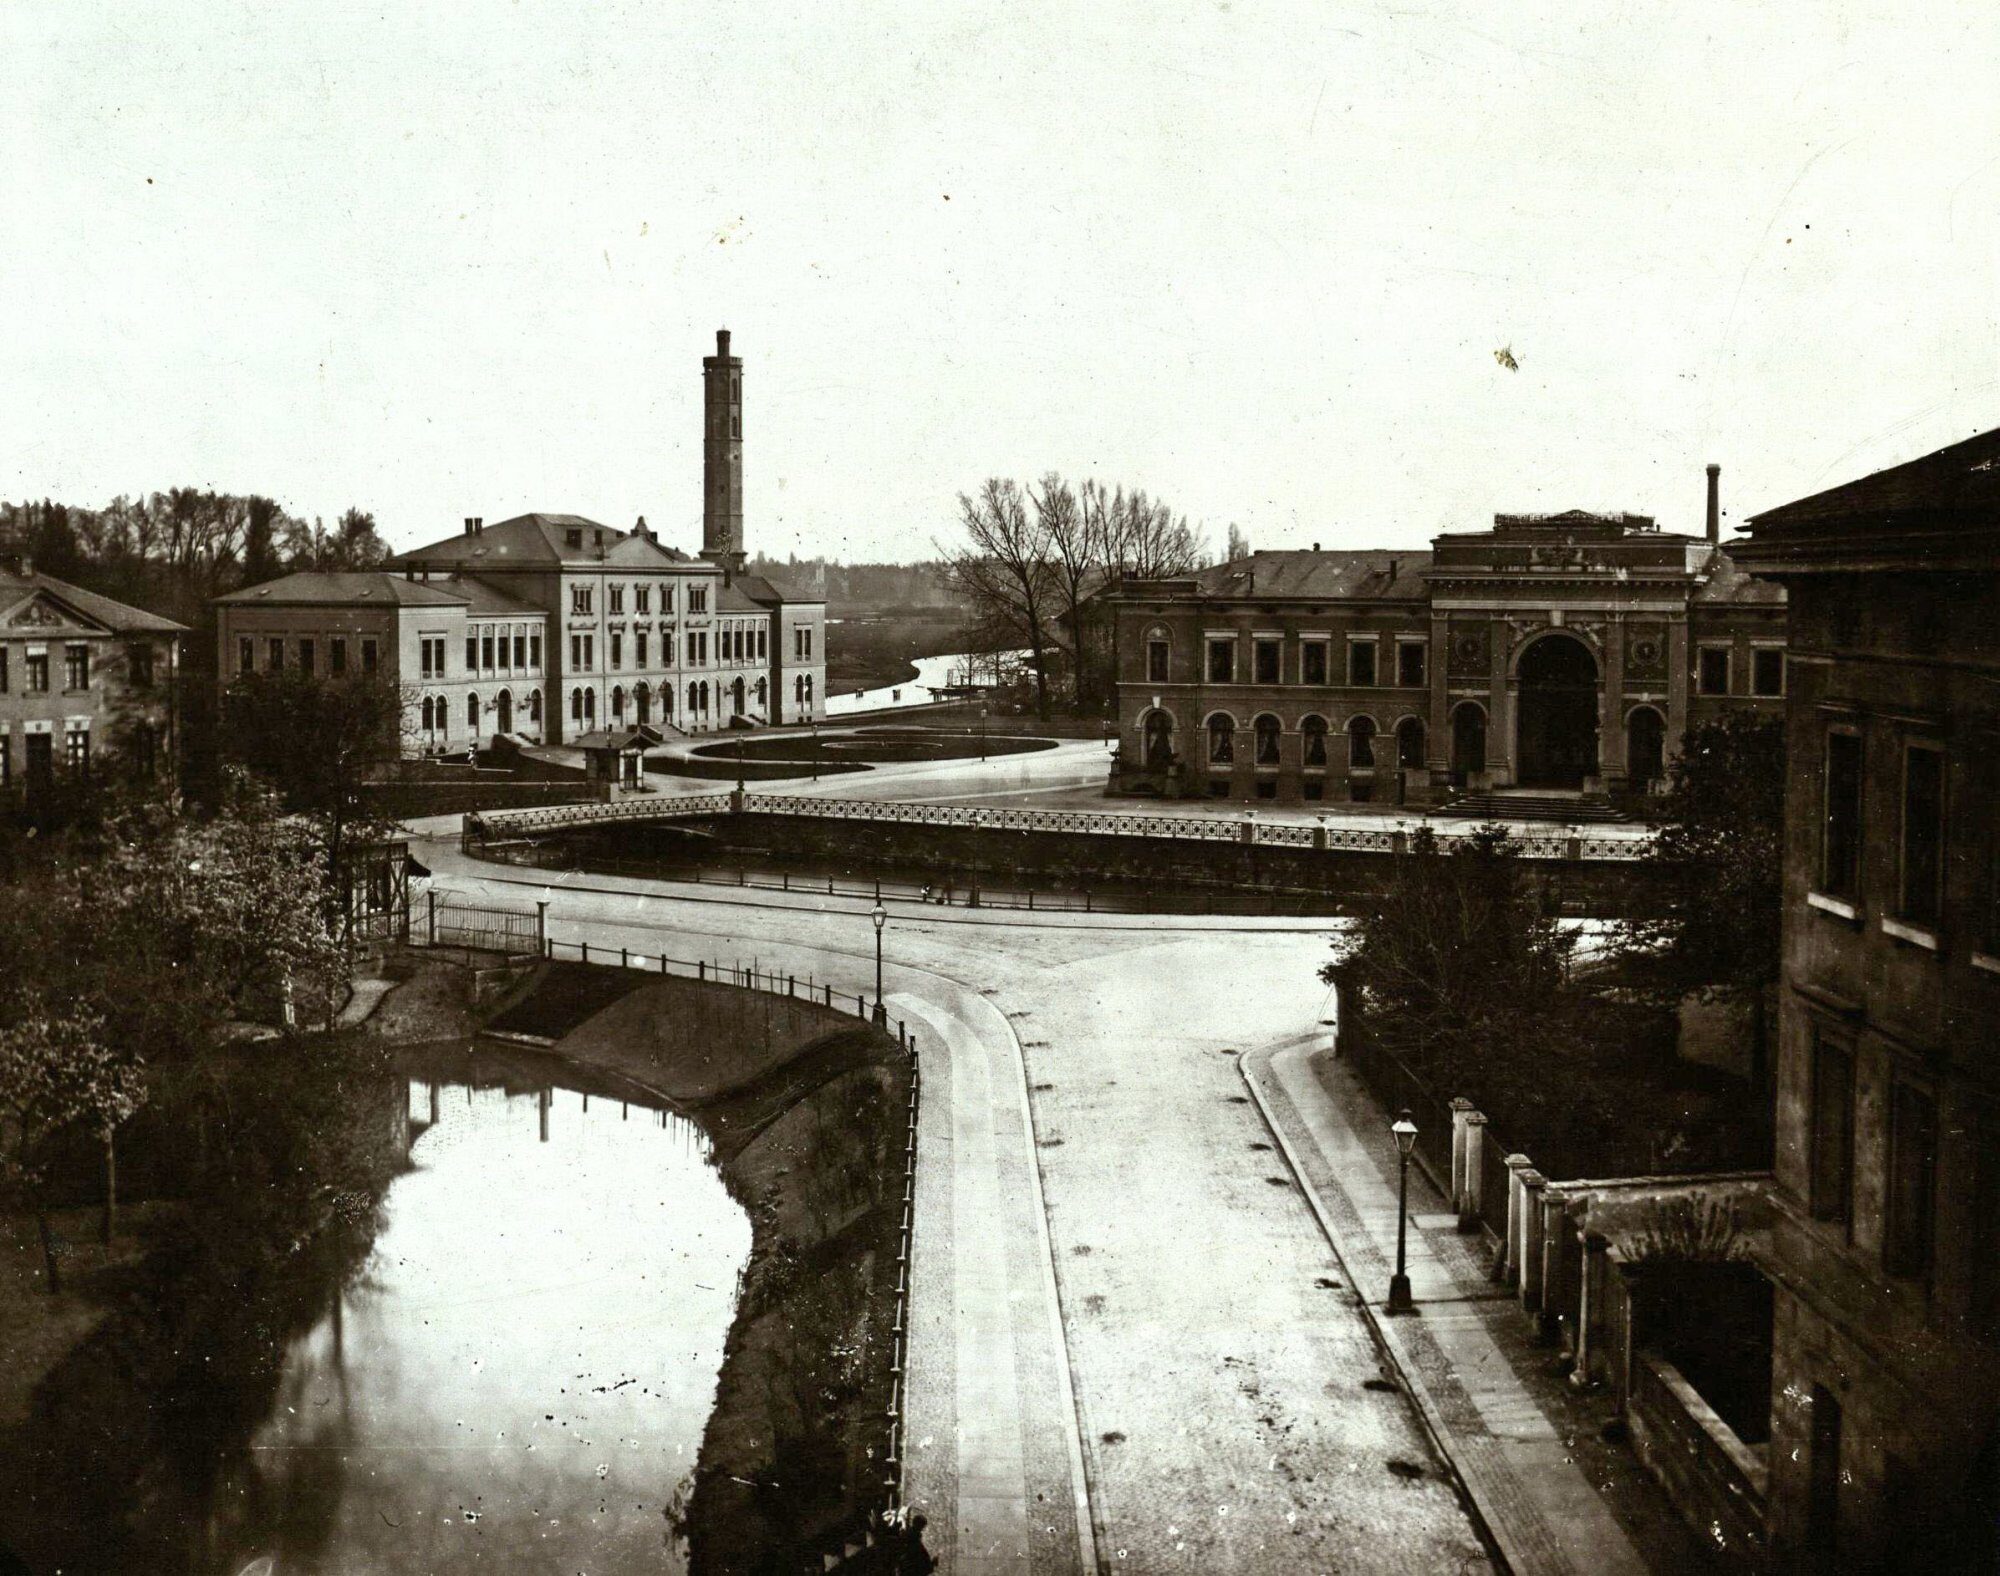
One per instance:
(616, 759)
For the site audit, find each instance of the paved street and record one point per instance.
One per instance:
(1166, 1315)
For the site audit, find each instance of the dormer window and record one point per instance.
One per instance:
(573, 537)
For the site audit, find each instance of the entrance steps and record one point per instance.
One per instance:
(1508, 805)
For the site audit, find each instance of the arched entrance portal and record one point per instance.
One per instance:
(1645, 747)
(1556, 733)
(506, 711)
(1159, 741)
(1468, 741)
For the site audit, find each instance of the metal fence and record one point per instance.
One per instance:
(487, 827)
(453, 921)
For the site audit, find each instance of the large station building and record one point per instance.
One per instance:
(547, 627)
(1565, 652)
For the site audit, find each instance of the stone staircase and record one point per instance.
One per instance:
(1508, 804)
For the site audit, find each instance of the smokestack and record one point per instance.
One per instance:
(722, 456)
(474, 524)
(1714, 503)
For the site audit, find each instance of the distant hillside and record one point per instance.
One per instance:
(857, 590)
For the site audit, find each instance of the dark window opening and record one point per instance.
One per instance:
(1922, 863)
(1268, 732)
(1410, 664)
(1840, 841)
(1221, 661)
(1156, 661)
(1906, 1242)
(306, 656)
(1767, 671)
(1267, 655)
(1361, 663)
(1712, 670)
(1313, 659)
(1832, 1130)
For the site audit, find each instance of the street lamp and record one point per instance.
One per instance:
(881, 918)
(982, 731)
(1405, 1133)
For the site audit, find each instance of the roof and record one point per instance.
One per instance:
(1961, 480)
(634, 738)
(1729, 582)
(490, 602)
(544, 539)
(333, 588)
(16, 588)
(1305, 575)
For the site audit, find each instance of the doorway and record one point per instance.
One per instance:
(1557, 705)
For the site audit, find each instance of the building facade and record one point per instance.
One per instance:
(1564, 652)
(552, 626)
(1885, 1427)
(87, 685)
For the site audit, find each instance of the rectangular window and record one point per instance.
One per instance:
(1832, 1137)
(1221, 661)
(471, 654)
(3, 670)
(505, 648)
(246, 658)
(520, 651)
(534, 651)
(638, 648)
(1712, 670)
(666, 649)
(77, 753)
(617, 648)
(138, 665)
(38, 673)
(589, 652)
(368, 655)
(1361, 663)
(579, 599)
(666, 597)
(1410, 663)
(306, 657)
(1921, 867)
(1840, 839)
(486, 652)
(274, 653)
(1313, 662)
(614, 599)
(1767, 671)
(337, 655)
(763, 643)
(76, 667)
(1313, 789)
(642, 599)
(576, 651)
(1906, 1240)
(1266, 655)
(1156, 661)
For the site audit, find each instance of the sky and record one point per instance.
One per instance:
(438, 258)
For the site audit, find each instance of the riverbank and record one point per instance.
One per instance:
(805, 1107)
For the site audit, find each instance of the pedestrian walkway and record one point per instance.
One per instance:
(1465, 1356)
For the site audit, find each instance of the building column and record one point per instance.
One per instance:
(1611, 763)
(1507, 1269)
(1677, 685)
(1500, 709)
(1461, 1108)
(1437, 732)
(1589, 1306)
(1475, 1171)
(1531, 1183)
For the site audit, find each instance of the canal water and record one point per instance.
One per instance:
(519, 1379)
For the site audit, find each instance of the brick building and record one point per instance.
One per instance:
(552, 626)
(1885, 1427)
(1566, 653)
(84, 681)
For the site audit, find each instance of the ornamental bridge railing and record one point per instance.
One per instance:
(487, 828)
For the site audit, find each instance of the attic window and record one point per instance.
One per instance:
(574, 536)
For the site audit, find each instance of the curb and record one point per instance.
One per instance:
(1386, 1341)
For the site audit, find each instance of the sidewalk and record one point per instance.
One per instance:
(1551, 1493)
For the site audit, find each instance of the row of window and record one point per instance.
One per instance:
(1267, 661)
(1916, 896)
(802, 643)
(305, 654)
(76, 668)
(1714, 665)
(39, 750)
(734, 647)
(486, 651)
(583, 598)
(1361, 734)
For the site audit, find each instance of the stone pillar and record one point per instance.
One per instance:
(1611, 763)
(1461, 1108)
(1437, 730)
(1507, 1269)
(1532, 1184)
(1590, 1295)
(1677, 684)
(1475, 1171)
(1558, 1259)
(1319, 833)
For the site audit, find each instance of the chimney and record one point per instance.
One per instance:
(1315, 547)
(639, 530)
(722, 456)
(1714, 503)
(722, 341)
(474, 524)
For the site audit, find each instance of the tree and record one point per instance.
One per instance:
(56, 1072)
(1003, 572)
(1239, 544)
(317, 739)
(1718, 858)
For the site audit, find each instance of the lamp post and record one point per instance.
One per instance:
(1405, 1133)
(881, 918)
(982, 732)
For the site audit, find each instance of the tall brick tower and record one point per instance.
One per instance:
(722, 456)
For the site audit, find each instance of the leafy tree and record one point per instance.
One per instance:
(1718, 858)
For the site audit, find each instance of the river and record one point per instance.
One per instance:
(519, 1379)
(932, 673)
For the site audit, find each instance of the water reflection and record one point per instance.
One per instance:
(519, 1379)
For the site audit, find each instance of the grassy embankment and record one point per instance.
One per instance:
(869, 651)
(806, 1107)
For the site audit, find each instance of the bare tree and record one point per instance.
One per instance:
(1002, 571)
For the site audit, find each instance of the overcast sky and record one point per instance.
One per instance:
(439, 259)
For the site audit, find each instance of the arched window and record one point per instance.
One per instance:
(799, 689)
(1268, 729)
(442, 710)
(590, 706)
(763, 694)
(430, 721)
(1361, 742)
(472, 712)
(1221, 739)
(505, 704)
(1410, 742)
(1313, 730)
(576, 705)
(666, 701)
(1159, 736)
(704, 697)
(535, 707)
(617, 702)
(694, 698)
(736, 695)
(642, 704)
(809, 689)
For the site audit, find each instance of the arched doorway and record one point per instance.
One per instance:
(736, 696)
(617, 705)
(1645, 747)
(1468, 741)
(506, 706)
(1159, 736)
(1556, 730)
(1410, 743)
(642, 704)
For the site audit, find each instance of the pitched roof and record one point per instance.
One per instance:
(1960, 480)
(16, 587)
(543, 539)
(489, 601)
(1306, 575)
(331, 588)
